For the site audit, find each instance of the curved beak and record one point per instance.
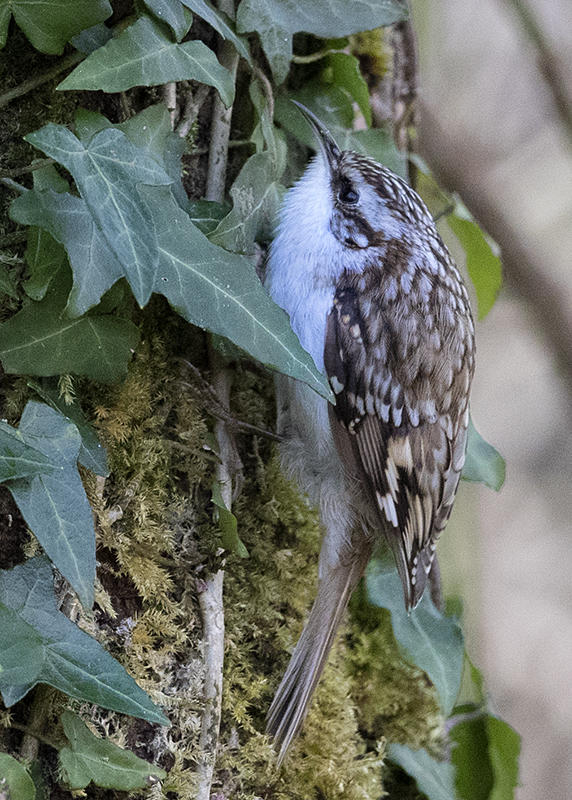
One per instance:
(324, 138)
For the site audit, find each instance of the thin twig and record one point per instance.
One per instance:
(209, 398)
(267, 88)
(38, 164)
(13, 185)
(194, 99)
(38, 80)
(211, 598)
(547, 62)
(220, 126)
(37, 718)
(203, 151)
(311, 57)
(170, 98)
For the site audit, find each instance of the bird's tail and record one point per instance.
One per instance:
(292, 699)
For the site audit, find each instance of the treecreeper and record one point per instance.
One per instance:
(376, 299)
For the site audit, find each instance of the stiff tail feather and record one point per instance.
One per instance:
(292, 699)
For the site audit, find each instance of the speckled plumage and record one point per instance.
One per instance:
(377, 300)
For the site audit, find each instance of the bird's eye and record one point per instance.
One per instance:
(348, 195)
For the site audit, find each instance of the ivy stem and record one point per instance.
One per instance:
(33, 83)
(170, 98)
(38, 164)
(32, 736)
(33, 731)
(211, 596)
(311, 57)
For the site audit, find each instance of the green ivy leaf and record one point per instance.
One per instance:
(342, 70)
(18, 459)
(143, 55)
(91, 38)
(89, 758)
(504, 750)
(39, 644)
(276, 21)
(470, 758)
(434, 778)
(92, 454)
(222, 25)
(338, 20)
(228, 524)
(483, 464)
(172, 13)
(51, 23)
(206, 214)
(42, 340)
(15, 778)
(105, 170)
(485, 757)
(150, 131)
(207, 285)
(67, 218)
(430, 640)
(483, 262)
(44, 255)
(256, 199)
(54, 504)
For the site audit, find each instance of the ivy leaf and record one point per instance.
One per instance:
(483, 464)
(143, 55)
(92, 454)
(42, 340)
(342, 70)
(44, 255)
(206, 214)
(41, 645)
(89, 758)
(222, 25)
(256, 199)
(50, 24)
(18, 459)
(105, 170)
(504, 750)
(150, 131)
(54, 504)
(91, 38)
(483, 262)
(171, 12)
(470, 757)
(485, 757)
(207, 285)
(68, 219)
(228, 524)
(434, 778)
(15, 778)
(338, 20)
(276, 43)
(276, 21)
(430, 640)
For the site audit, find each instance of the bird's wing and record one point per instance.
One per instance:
(401, 414)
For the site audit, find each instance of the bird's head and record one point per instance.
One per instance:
(367, 203)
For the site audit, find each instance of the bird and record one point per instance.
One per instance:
(376, 299)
